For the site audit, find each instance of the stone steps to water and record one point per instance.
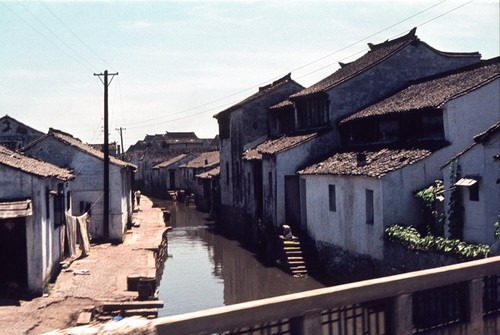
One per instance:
(292, 257)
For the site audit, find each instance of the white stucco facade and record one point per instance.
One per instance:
(481, 213)
(87, 187)
(470, 114)
(43, 244)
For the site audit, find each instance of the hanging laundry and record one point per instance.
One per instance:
(71, 230)
(84, 236)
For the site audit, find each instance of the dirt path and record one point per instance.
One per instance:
(106, 279)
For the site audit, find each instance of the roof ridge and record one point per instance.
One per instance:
(411, 35)
(475, 66)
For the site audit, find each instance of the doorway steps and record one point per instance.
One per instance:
(292, 258)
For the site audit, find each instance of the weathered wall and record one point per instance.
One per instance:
(471, 114)
(14, 131)
(247, 124)
(479, 216)
(346, 227)
(87, 187)
(413, 62)
(43, 239)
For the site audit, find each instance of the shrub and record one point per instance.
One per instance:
(411, 238)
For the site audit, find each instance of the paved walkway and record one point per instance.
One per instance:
(108, 267)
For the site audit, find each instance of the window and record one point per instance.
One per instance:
(313, 112)
(331, 198)
(472, 183)
(369, 206)
(224, 130)
(68, 200)
(474, 192)
(59, 217)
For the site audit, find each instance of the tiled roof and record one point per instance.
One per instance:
(372, 162)
(86, 148)
(278, 145)
(262, 92)
(209, 174)
(204, 160)
(377, 53)
(33, 166)
(434, 92)
(170, 161)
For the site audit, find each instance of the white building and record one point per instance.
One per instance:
(479, 185)
(392, 149)
(87, 163)
(167, 173)
(204, 162)
(317, 110)
(33, 202)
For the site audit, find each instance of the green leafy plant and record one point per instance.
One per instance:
(434, 220)
(411, 238)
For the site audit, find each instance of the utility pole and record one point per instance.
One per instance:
(121, 139)
(105, 227)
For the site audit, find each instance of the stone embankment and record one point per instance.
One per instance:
(91, 281)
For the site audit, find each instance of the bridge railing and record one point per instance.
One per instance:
(462, 298)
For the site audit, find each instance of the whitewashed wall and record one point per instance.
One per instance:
(88, 185)
(42, 238)
(346, 227)
(480, 216)
(471, 114)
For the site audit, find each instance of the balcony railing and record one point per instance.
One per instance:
(462, 298)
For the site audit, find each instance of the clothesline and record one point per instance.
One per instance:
(77, 230)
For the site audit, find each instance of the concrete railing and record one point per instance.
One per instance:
(304, 313)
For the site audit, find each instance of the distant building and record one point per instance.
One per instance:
(15, 135)
(204, 162)
(34, 197)
(64, 150)
(155, 149)
(243, 126)
(113, 148)
(167, 175)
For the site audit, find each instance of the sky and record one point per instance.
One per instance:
(181, 62)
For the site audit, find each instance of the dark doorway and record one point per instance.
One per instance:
(292, 202)
(171, 174)
(13, 255)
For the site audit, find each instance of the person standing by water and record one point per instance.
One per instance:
(137, 197)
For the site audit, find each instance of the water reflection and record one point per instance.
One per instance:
(207, 270)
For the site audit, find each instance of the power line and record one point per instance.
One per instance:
(43, 35)
(74, 34)
(55, 35)
(301, 67)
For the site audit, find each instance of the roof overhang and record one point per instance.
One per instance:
(467, 182)
(15, 209)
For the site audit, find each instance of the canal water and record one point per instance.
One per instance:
(205, 270)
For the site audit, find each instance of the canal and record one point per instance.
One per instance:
(205, 270)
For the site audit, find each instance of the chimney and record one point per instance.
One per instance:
(361, 159)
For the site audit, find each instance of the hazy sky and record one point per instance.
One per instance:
(181, 62)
